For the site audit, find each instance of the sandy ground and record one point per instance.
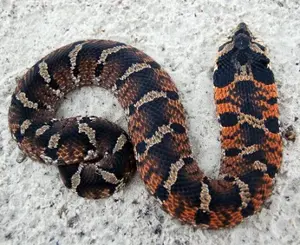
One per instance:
(183, 36)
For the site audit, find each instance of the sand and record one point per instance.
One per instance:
(183, 36)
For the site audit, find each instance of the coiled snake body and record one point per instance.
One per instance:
(95, 157)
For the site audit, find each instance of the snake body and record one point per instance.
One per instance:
(95, 157)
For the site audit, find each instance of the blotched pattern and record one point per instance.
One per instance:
(95, 157)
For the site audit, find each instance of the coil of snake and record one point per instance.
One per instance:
(96, 158)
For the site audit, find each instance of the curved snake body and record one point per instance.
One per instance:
(95, 157)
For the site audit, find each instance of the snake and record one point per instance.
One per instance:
(96, 158)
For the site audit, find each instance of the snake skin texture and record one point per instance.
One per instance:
(96, 158)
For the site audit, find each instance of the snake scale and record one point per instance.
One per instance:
(96, 157)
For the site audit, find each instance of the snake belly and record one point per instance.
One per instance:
(96, 158)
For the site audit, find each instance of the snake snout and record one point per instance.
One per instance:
(242, 26)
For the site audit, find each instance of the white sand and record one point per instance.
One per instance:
(183, 36)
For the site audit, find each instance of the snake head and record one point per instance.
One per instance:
(242, 37)
(240, 40)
